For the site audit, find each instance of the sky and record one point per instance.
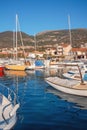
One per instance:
(36, 16)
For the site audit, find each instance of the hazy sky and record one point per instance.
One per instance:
(41, 15)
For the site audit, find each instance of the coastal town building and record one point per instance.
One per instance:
(79, 53)
(63, 50)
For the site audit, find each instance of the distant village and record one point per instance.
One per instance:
(60, 52)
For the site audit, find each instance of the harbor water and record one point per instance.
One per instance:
(41, 106)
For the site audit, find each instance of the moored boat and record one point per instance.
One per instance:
(18, 67)
(2, 67)
(8, 108)
(65, 85)
(73, 76)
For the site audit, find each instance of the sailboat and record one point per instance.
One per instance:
(35, 63)
(16, 65)
(8, 108)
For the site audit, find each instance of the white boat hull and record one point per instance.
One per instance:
(8, 108)
(65, 89)
(11, 124)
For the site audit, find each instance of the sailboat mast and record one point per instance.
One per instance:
(35, 42)
(16, 35)
(69, 30)
(13, 44)
(21, 38)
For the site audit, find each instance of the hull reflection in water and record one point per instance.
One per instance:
(40, 109)
(15, 73)
(80, 102)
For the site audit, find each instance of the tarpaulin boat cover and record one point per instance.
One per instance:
(39, 63)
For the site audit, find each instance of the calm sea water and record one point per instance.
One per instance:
(41, 106)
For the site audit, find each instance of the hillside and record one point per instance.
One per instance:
(6, 39)
(79, 37)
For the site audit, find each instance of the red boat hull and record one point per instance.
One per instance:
(2, 68)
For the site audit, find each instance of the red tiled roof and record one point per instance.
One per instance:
(64, 45)
(79, 49)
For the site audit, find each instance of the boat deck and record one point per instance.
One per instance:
(67, 83)
(81, 86)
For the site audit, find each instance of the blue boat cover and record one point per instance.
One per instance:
(85, 77)
(39, 63)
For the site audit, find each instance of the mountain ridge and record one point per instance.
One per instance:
(49, 37)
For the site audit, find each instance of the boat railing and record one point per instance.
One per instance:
(7, 121)
(13, 100)
(9, 94)
(11, 114)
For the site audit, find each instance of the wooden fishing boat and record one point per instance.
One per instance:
(65, 85)
(71, 87)
(76, 71)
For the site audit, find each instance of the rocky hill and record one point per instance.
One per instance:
(78, 37)
(6, 39)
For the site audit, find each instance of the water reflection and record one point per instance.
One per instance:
(53, 72)
(15, 73)
(23, 79)
(79, 101)
(40, 108)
